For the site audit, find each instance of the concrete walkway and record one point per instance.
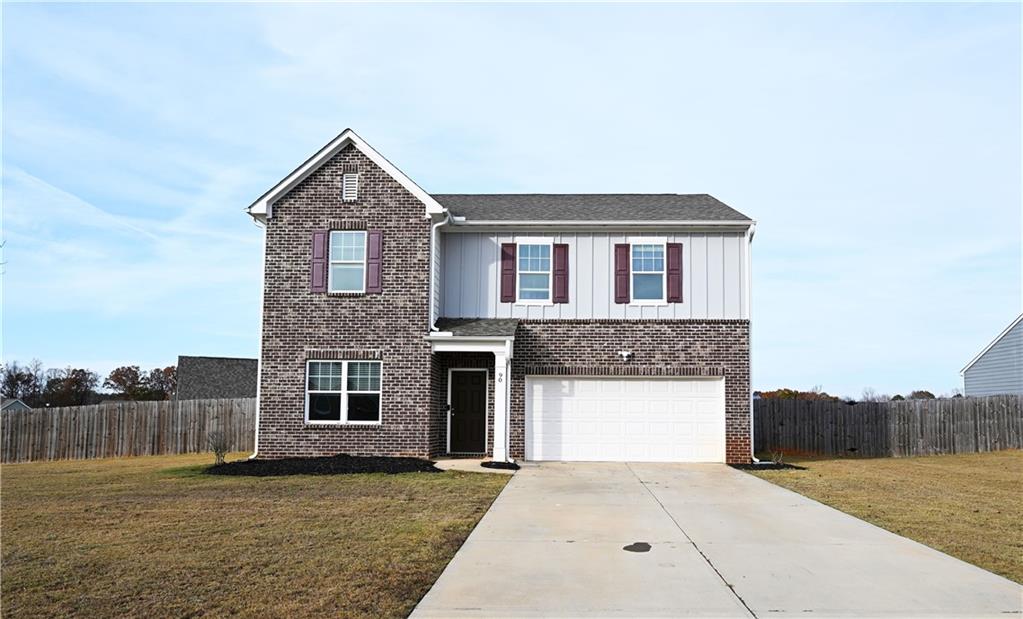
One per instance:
(721, 544)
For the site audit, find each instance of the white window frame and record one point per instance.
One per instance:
(663, 243)
(331, 262)
(350, 180)
(549, 272)
(344, 394)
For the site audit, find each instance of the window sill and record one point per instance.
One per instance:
(346, 294)
(537, 302)
(648, 303)
(343, 423)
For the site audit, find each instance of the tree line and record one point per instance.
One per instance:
(38, 387)
(869, 395)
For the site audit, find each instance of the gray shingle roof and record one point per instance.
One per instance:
(479, 327)
(590, 207)
(216, 377)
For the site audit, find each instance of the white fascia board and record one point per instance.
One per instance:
(738, 226)
(992, 344)
(496, 344)
(262, 208)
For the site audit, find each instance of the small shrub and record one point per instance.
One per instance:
(218, 444)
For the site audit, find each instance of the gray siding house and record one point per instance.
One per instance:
(998, 369)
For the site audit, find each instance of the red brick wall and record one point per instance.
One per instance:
(443, 362)
(659, 347)
(300, 325)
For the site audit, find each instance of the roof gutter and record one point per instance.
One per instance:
(462, 221)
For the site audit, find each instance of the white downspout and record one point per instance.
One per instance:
(749, 316)
(259, 349)
(435, 264)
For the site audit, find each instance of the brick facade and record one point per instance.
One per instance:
(299, 325)
(659, 347)
(443, 362)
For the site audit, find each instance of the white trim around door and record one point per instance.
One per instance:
(486, 409)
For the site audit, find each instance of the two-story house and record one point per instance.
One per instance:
(609, 327)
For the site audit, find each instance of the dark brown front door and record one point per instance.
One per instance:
(468, 414)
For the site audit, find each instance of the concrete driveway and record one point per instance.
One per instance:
(721, 544)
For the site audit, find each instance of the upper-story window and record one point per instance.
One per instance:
(350, 187)
(648, 272)
(534, 272)
(347, 262)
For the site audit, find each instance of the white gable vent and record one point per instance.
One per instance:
(350, 187)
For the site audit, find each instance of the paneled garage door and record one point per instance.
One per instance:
(625, 419)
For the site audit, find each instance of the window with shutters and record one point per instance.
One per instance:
(347, 261)
(534, 273)
(648, 273)
(350, 187)
(343, 392)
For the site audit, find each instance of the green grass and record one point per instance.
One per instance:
(967, 505)
(155, 537)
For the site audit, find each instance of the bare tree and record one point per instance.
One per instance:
(218, 444)
(869, 395)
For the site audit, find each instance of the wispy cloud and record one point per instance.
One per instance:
(878, 146)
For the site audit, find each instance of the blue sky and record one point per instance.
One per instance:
(877, 145)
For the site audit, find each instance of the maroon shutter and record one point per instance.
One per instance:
(374, 253)
(507, 272)
(674, 272)
(318, 266)
(560, 273)
(621, 272)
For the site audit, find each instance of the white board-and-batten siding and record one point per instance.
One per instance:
(713, 277)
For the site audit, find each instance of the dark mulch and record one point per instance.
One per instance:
(767, 466)
(490, 464)
(342, 464)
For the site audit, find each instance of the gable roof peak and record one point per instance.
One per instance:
(262, 208)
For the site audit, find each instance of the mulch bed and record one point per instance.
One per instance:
(508, 466)
(342, 464)
(767, 466)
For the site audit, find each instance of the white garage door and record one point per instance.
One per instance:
(625, 419)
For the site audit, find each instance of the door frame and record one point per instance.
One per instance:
(486, 409)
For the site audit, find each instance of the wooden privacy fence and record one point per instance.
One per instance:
(125, 429)
(904, 428)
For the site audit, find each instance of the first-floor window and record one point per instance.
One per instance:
(343, 392)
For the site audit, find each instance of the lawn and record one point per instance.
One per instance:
(968, 505)
(156, 537)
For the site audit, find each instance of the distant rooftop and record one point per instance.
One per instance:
(589, 207)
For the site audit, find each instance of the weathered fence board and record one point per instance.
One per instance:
(904, 428)
(125, 429)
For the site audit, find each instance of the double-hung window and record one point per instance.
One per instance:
(343, 392)
(648, 272)
(347, 262)
(534, 272)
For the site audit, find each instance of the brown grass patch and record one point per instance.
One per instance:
(155, 536)
(967, 505)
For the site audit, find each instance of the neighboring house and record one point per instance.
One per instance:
(543, 327)
(998, 369)
(13, 404)
(201, 378)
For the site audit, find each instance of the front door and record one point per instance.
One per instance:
(467, 414)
